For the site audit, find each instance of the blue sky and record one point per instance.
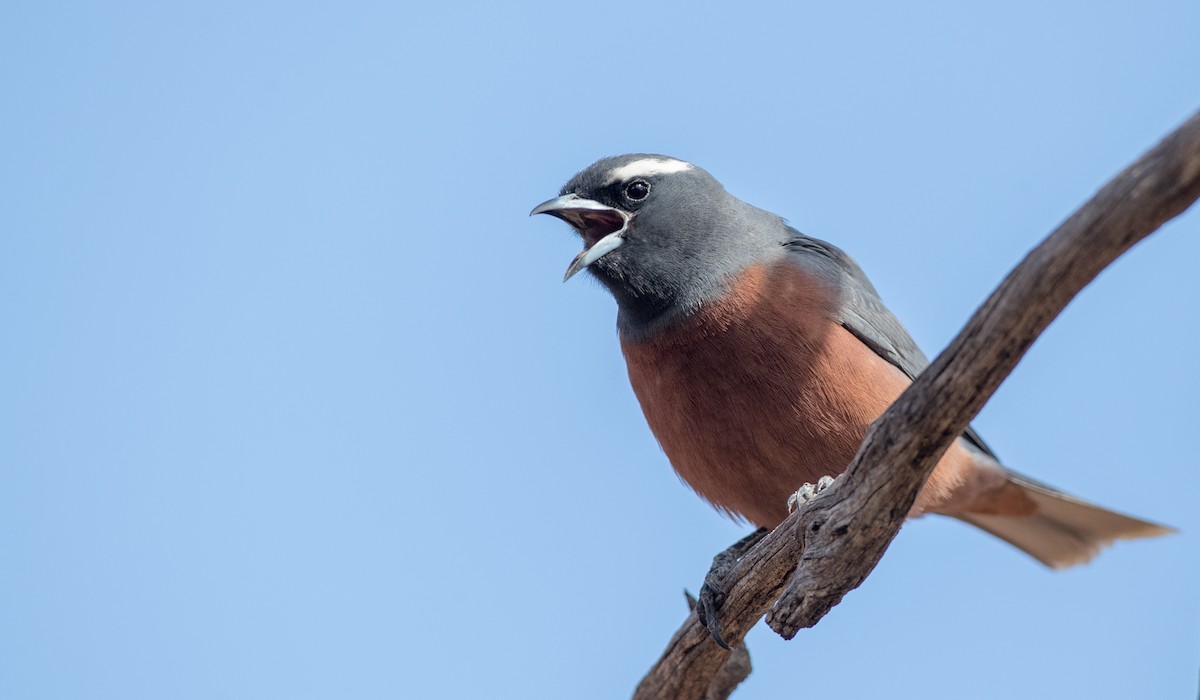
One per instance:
(294, 405)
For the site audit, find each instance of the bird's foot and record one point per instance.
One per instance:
(714, 591)
(808, 492)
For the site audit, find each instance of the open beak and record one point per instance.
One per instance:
(600, 225)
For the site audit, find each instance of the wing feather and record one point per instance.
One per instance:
(864, 314)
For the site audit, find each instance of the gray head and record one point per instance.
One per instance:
(661, 234)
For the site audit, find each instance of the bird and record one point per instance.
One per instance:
(760, 356)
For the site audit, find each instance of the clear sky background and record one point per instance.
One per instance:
(293, 403)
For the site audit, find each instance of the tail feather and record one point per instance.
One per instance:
(1064, 530)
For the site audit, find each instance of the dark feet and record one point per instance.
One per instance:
(713, 592)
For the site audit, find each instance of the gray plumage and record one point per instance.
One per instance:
(666, 239)
(863, 313)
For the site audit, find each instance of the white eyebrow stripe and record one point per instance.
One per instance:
(647, 167)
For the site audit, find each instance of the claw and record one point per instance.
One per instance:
(807, 492)
(707, 608)
(713, 593)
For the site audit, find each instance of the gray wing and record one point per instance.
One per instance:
(864, 314)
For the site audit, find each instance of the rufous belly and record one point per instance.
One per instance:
(763, 391)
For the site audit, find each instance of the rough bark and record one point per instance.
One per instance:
(736, 668)
(829, 546)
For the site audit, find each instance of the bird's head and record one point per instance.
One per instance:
(661, 234)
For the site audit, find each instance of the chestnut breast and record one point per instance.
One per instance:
(760, 391)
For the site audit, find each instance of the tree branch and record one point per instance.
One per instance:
(838, 537)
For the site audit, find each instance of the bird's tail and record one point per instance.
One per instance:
(1062, 531)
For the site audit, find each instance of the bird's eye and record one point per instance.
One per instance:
(637, 190)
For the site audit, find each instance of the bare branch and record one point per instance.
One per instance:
(838, 537)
